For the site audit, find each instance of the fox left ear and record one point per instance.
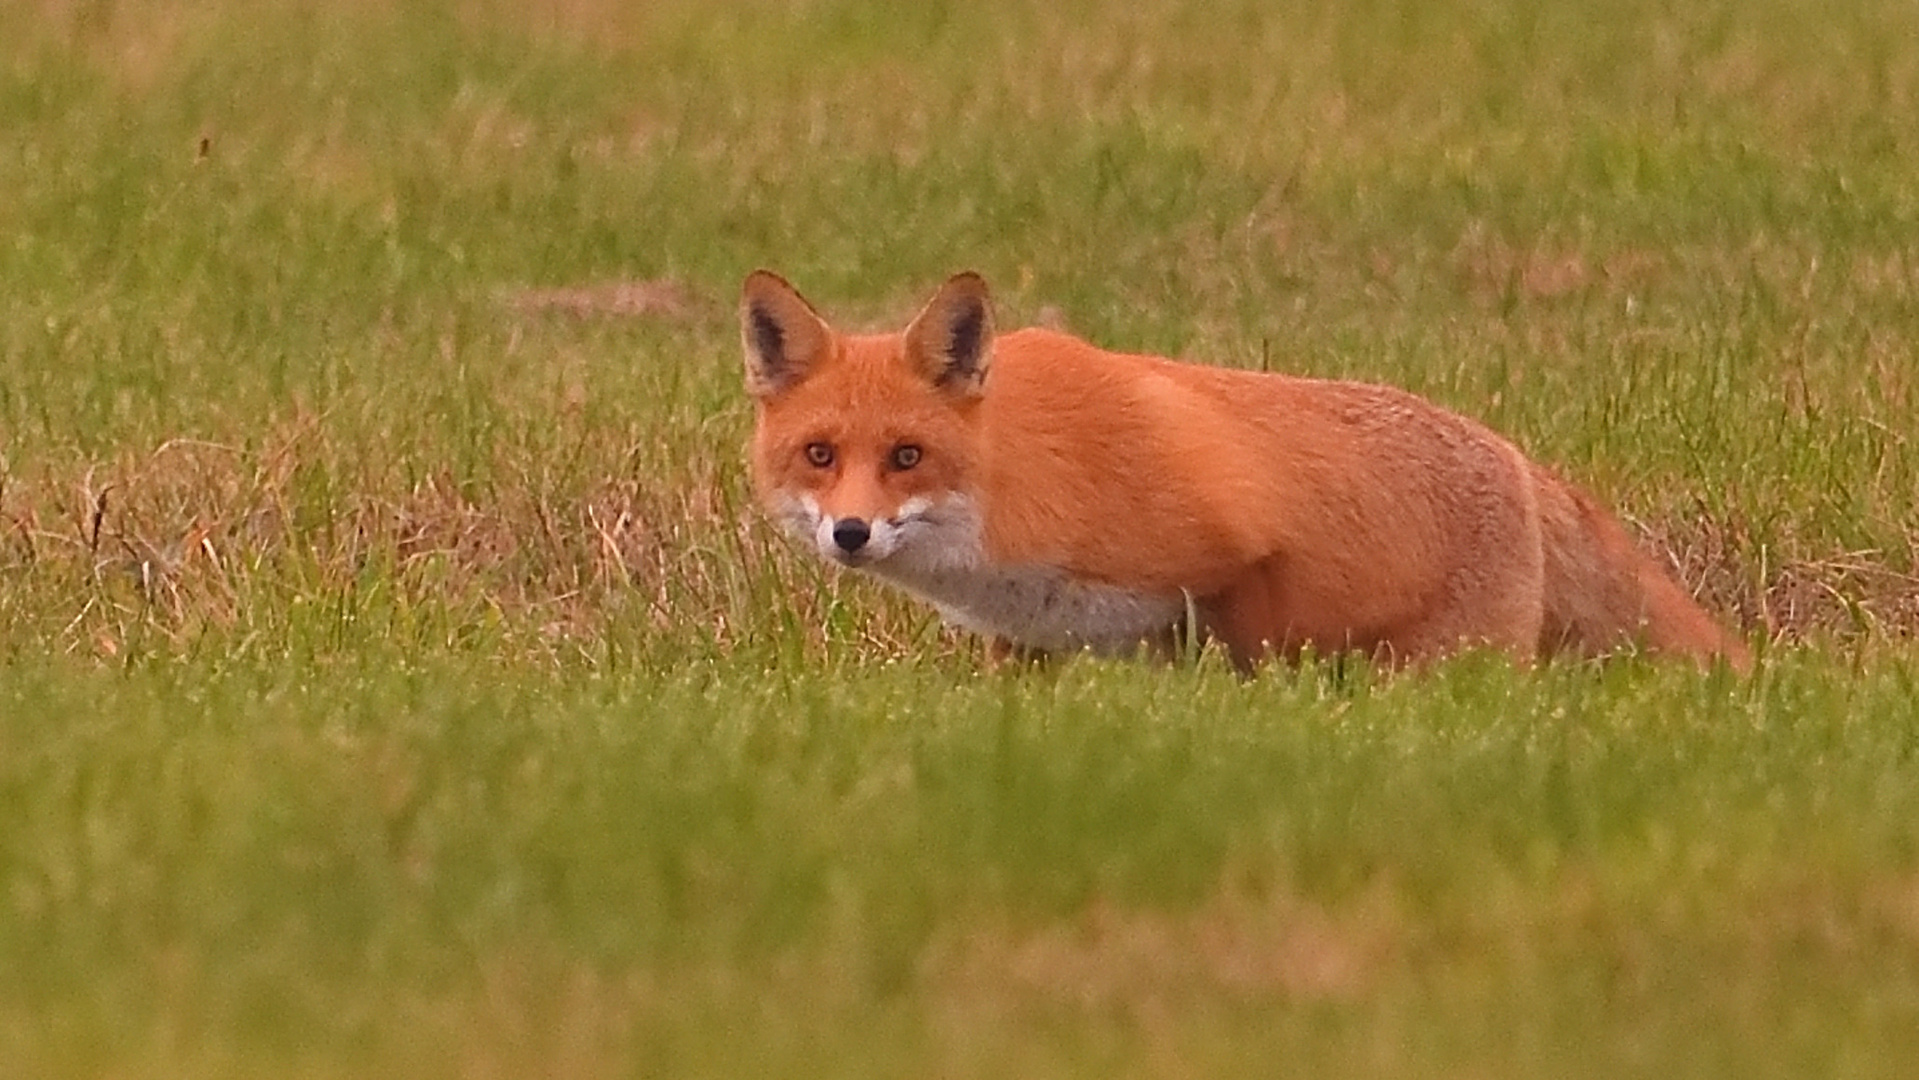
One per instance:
(785, 338)
(950, 342)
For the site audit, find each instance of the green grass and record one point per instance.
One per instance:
(1107, 869)
(396, 680)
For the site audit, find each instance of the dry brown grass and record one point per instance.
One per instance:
(194, 537)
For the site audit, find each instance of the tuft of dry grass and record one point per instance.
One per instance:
(193, 539)
(197, 545)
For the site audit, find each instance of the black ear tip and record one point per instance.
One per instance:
(762, 282)
(969, 282)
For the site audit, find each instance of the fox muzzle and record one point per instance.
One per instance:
(851, 534)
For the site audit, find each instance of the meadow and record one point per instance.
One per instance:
(396, 678)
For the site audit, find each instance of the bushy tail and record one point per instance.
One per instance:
(1603, 593)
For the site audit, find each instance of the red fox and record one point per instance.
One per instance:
(1058, 497)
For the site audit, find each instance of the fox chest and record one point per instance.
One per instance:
(1044, 608)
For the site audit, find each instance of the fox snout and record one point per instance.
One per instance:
(850, 540)
(857, 541)
(850, 535)
(919, 531)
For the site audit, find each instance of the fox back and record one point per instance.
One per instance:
(1056, 496)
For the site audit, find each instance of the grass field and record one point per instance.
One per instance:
(396, 680)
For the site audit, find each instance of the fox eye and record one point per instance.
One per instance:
(905, 456)
(819, 454)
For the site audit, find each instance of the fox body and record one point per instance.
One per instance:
(1056, 496)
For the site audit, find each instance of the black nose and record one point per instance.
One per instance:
(851, 534)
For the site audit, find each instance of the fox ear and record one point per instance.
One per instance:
(784, 337)
(950, 342)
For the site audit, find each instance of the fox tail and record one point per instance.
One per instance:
(1601, 591)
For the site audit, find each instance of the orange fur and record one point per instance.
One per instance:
(1057, 495)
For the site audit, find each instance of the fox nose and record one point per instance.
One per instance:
(851, 534)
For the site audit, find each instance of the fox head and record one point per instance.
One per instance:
(866, 445)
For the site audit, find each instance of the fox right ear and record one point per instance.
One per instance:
(784, 337)
(950, 342)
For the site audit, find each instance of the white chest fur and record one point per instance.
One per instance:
(1044, 609)
(934, 550)
(939, 557)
